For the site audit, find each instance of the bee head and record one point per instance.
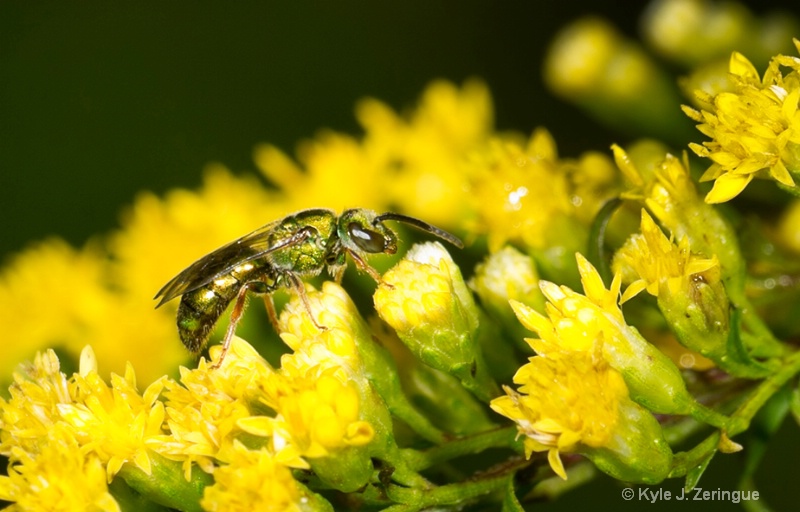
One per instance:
(363, 231)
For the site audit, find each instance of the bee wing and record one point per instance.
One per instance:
(223, 260)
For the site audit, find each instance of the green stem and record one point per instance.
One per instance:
(476, 443)
(763, 343)
(411, 500)
(745, 413)
(479, 382)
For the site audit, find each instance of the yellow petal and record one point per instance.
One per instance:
(726, 187)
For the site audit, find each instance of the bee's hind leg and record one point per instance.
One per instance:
(236, 315)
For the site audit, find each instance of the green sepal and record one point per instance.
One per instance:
(636, 451)
(510, 501)
(166, 484)
(737, 360)
(130, 500)
(347, 470)
(382, 372)
(693, 463)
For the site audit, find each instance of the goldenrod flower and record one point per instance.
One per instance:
(347, 342)
(319, 417)
(590, 63)
(671, 196)
(201, 419)
(755, 129)
(507, 275)
(326, 163)
(695, 32)
(575, 322)
(574, 403)
(656, 264)
(424, 298)
(52, 295)
(519, 194)
(689, 291)
(523, 193)
(60, 476)
(253, 480)
(423, 154)
(112, 422)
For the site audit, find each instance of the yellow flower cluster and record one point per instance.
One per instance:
(650, 261)
(102, 293)
(80, 425)
(332, 412)
(562, 402)
(755, 129)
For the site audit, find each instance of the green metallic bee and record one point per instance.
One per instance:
(277, 256)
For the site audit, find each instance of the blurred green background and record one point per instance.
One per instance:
(99, 100)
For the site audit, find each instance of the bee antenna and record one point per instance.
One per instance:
(419, 224)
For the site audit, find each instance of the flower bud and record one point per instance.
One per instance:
(426, 301)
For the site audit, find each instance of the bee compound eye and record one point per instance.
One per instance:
(367, 240)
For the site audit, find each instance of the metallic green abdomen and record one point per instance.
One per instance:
(200, 309)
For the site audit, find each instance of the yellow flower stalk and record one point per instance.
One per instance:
(574, 322)
(572, 402)
(754, 130)
(359, 410)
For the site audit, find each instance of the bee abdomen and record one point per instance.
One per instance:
(199, 312)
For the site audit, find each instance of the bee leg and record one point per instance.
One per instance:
(363, 265)
(269, 305)
(236, 315)
(300, 288)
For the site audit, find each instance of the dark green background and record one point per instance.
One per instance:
(101, 99)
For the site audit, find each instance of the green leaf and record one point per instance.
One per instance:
(595, 251)
(763, 427)
(794, 403)
(694, 474)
